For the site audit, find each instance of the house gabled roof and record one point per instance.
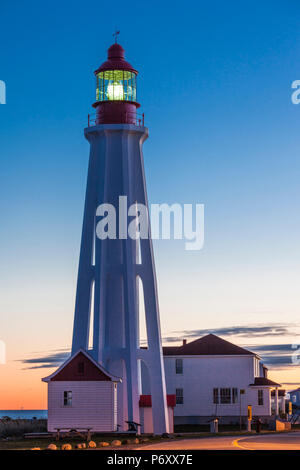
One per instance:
(66, 371)
(209, 345)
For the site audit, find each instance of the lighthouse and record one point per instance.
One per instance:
(109, 300)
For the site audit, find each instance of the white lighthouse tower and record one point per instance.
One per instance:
(110, 269)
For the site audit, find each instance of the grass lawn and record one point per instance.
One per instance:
(27, 444)
(12, 432)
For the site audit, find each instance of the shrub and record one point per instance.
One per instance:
(18, 427)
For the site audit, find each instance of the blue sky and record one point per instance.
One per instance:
(215, 85)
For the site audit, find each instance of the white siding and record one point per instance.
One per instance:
(115, 408)
(201, 374)
(92, 405)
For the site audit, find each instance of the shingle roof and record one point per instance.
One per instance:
(209, 345)
(263, 381)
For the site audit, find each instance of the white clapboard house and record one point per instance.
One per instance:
(82, 395)
(205, 378)
(213, 377)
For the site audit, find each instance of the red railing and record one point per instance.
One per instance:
(130, 118)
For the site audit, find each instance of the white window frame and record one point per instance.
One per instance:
(178, 366)
(179, 396)
(260, 397)
(67, 397)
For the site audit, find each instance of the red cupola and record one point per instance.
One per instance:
(116, 89)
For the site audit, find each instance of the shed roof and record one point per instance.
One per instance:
(93, 371)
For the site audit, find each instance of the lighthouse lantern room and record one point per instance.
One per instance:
(116, 91)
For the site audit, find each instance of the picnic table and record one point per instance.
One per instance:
(82, 432)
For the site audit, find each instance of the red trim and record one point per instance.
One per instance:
(146, 401)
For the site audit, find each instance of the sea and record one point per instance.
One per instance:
(24, 414)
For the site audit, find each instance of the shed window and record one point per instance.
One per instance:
(260, 397)
(179, 366)
(179, 396)
(68, 398)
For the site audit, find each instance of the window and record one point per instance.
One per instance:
(68, 398)
(256, 367)
(225, 395)
(80, 368)
(294, 398)
(234, 395)
(216, 396)
(179, 366)
(260, 397)
(179, 396)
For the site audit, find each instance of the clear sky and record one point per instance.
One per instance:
(215, 85)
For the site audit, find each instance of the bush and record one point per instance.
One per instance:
(18, 427)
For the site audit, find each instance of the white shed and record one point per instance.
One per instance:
(82, 395)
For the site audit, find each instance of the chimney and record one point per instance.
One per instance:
(183, 342)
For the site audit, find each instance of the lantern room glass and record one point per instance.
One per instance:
(116, 85)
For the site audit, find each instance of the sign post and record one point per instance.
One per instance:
(249, 412)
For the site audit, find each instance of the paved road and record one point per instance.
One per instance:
(290, 441)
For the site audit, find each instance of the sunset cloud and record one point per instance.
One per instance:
(273, 355)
